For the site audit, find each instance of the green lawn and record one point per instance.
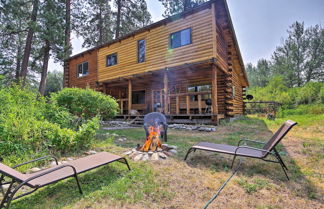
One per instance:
(177, 184)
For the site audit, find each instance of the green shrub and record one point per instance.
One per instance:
(310, 93)
(28, 124)
(85, 103)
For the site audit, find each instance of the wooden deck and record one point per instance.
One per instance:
(178, 118)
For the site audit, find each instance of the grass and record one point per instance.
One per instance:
(171, 183)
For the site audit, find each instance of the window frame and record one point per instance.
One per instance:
(138, 51)
(115, 53)
(170, 39)
(77, 69)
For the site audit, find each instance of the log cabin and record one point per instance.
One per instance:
(188, 66)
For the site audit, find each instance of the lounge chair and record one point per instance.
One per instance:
(51, 175)
(269, 147)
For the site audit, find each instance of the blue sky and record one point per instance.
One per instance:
(260, 25)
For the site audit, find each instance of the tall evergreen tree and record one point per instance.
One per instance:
(314, 67)
(106, 23)
(300, 58)
(52, 27)
(93, 21)
(133, 15)
(177, 6)
(13, 30)
(29, 39)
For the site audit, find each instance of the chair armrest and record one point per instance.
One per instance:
(249, 140)
(253, 148)
(49, 171)
(37, 159)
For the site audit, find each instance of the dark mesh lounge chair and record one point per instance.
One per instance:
(269, 147)
(50, 175)
(156, 119)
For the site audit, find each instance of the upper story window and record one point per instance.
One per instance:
(83, 69)
(180, 38)
(141, 51)
(111, 59)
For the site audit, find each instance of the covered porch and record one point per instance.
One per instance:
(191, 92)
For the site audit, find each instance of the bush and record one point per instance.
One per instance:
(28, 124)
(310, 93)
(85, 103)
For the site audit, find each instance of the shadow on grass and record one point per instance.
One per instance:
(257, 129)
(65, 193)
(231, 133)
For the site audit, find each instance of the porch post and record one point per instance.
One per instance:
(129, 96)
(214, 93)
(165, 81)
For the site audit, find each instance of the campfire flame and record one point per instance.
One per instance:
(153, 140)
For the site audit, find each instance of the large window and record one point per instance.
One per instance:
(111, 59)
(199, 88)
(141, 51)
(83, 69)
(138, 97)
(180, 38)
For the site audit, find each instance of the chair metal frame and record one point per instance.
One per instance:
(8, 196)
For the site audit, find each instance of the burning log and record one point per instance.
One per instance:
(153, 140)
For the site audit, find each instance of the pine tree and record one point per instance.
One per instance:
(106, 23)
(52, 27)
(13, 30)
(93, 21)
(178, 6)
(28, 45)
(133, 15)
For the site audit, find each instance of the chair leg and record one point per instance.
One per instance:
(233, 161)
(280, 159)
(127, 164)
(6, 196)
(283, 166)
(78, 183)
(190, 150)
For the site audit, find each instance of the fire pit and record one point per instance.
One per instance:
(153, 149)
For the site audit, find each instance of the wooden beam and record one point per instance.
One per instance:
(121, 107)
(104, 86)
(177, 105)
(166, 96)
(129, 96)
(199, 104)
(188, 104)
(214, 92)
(152, 100)
(214, 32)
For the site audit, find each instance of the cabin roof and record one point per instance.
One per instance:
(175, 17)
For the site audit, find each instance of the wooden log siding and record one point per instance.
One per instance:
(236, 103)
(213, 42)
(158, 54)
(221, 48)
(71, 80)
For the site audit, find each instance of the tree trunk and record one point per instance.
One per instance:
(18, 57)
(18, 62)
(100, 27)
(29, 39)
(67, 42)
(118, 18)
(46, 57)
